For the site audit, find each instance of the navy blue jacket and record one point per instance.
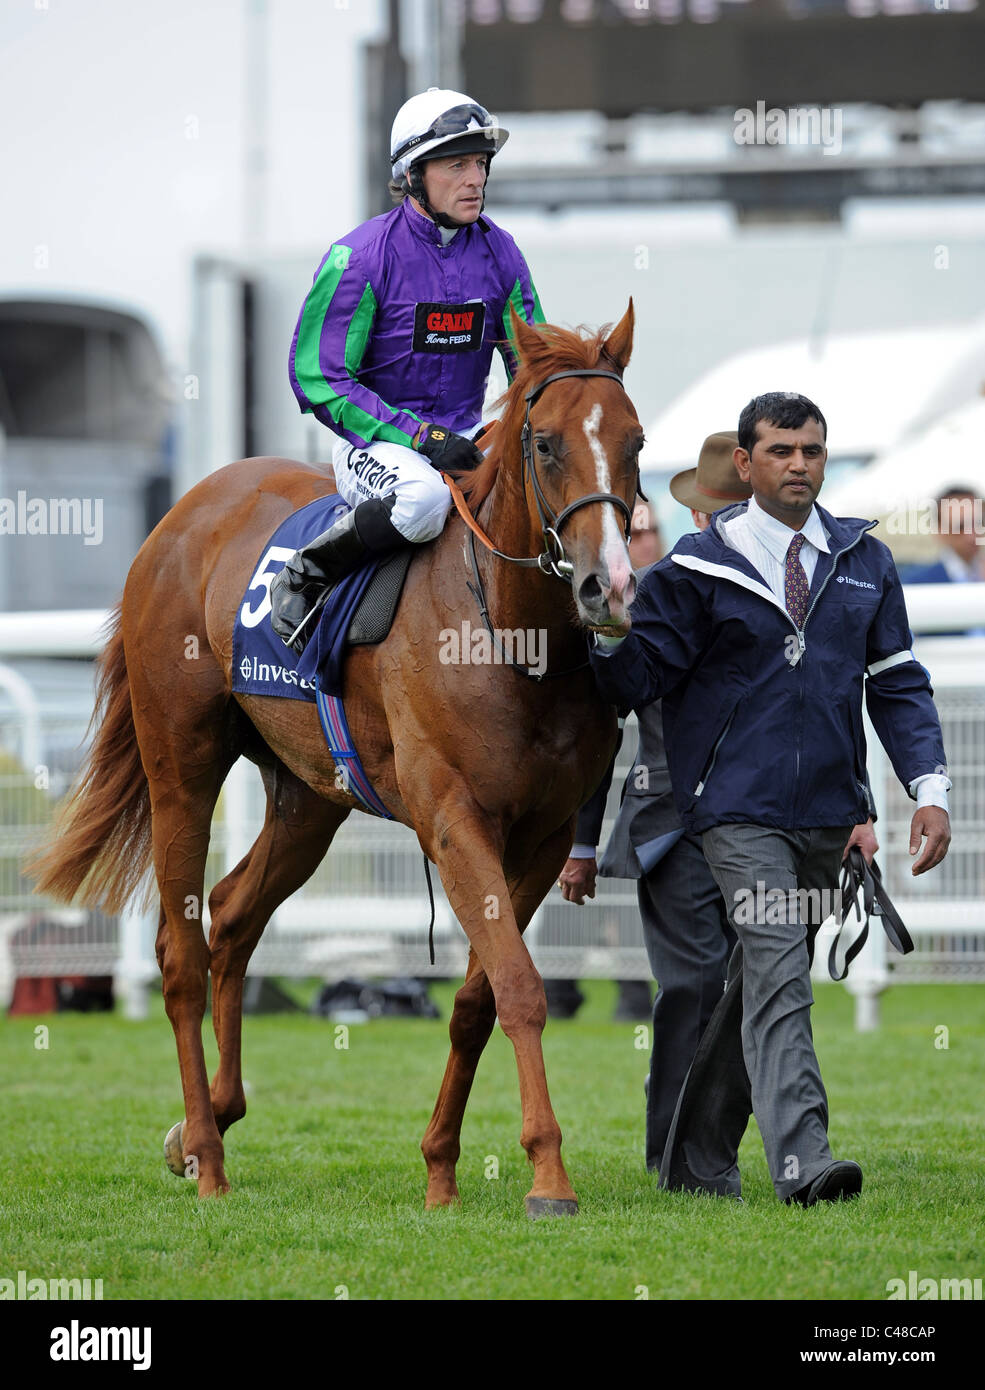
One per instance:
(763, 723)
(935, 573)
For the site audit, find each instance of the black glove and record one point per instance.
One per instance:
(447, 450)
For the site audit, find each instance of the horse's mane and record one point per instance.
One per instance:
(558, 350)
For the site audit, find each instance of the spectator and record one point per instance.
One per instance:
(959, 541)
(685, 923)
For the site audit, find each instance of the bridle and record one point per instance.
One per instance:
(550, 523)
(552, 559)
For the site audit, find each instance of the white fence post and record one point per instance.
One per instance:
(135, 966)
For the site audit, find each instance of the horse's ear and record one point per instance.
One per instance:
(618, 347)
(526, 340)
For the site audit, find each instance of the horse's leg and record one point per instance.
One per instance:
(472, 1022)
(470, 862)
(182, 816)
(297, 830)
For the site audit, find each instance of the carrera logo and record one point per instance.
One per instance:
(449, 327)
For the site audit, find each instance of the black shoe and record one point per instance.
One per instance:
(838, 1182)
(564, 998)
(299, 591)
(633, 1004)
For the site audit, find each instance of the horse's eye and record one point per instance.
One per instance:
(543, 448)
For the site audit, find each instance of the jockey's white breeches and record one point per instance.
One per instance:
(423, 500)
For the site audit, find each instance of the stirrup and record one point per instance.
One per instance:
(316, 608)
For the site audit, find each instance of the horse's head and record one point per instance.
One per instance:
(581, 440)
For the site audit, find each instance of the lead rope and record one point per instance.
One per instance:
(427, 875)
(856, 873)
(478, 592)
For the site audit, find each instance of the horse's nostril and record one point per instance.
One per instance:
(591, 590)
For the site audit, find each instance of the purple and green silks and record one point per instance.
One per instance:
(394, 315)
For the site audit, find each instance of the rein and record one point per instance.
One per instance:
(552, 559)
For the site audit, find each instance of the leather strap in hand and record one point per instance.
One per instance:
(856, 874)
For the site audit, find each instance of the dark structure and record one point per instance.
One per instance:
(85, 451)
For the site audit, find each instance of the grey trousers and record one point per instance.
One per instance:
(688, 941)
(758, 1051)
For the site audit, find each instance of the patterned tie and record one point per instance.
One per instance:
(795, 586)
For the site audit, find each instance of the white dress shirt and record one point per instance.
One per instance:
(958, 570)
(764, 542)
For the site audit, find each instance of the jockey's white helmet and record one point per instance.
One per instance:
(438, 118)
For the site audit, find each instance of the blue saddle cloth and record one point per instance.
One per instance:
(262, 665)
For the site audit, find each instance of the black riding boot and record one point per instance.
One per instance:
(296, 594)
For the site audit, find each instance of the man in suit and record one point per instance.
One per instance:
(960, 556)
(564, 998)
(686, 930)
(959, 559)
(761, 659)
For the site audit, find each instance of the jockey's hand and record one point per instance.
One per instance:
(448, 450)
(936, 825)
(577, 880)
(865, 837)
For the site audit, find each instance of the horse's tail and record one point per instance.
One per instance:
(99, 846)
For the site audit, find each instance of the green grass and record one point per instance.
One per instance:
(328, 1180)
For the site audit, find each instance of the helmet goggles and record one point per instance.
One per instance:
(459, 120)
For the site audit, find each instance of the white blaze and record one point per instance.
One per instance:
(614, 555)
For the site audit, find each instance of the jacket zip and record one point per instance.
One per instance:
(714, 752)
(802, 647)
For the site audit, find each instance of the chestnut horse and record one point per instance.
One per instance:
(487, 766)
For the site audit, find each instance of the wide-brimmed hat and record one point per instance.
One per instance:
(714, 483)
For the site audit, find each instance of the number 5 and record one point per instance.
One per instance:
(277, 555)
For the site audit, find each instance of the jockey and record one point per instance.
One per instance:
(394, 344)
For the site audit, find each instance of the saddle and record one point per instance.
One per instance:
(375, 611)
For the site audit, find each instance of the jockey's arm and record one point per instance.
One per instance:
(329, 344)
(525, 300)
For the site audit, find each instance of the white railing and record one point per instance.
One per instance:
(365, 910)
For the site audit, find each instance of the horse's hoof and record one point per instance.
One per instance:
(216, 1188)
(549, 1206)
(173, 1155)
(437, 1203)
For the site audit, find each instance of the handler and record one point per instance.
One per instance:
(394, 344)
(759, 634)
(686, 929)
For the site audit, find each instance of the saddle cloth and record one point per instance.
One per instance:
(358, 611)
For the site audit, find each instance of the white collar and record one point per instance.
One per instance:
(958, 571)
(776, 536)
